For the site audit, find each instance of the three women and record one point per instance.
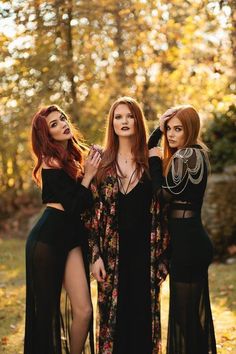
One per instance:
(128, 241)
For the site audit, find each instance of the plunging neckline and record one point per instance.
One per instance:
(131, 190)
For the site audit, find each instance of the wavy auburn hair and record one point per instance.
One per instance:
(190, 120)
(111, 143)
(46, 149)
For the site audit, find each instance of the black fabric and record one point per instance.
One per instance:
(59, 187)
(47, 247)
(45, 264)
(133, 332)
(154, 138)
(186, 191)
(155, 170)
(190, 328)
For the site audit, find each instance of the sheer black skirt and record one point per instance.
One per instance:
(46, 251)
(190, 328)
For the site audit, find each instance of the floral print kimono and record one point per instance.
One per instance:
(104, 242)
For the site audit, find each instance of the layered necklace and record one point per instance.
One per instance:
(121, 175)
(130, 181)
(182, 172)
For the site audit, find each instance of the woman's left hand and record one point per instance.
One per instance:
(156, 151)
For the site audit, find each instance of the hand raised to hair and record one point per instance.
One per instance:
(166, 116)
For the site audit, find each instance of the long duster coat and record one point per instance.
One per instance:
(104, 242)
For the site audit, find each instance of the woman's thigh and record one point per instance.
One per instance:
(75, 282)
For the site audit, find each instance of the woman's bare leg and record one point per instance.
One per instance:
(76, 286)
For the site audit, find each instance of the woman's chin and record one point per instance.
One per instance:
(173, 145)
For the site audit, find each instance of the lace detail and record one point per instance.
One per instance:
(187, 166)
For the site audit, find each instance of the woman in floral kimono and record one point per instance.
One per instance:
(128, 249)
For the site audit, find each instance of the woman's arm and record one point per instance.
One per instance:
(154, 138)
(93, 222)
(155, 170)
(75, 197)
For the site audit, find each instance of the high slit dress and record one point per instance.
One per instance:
(190, 327)
(51, 239)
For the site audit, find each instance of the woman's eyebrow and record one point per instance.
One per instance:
(52, 121)
(175, 126)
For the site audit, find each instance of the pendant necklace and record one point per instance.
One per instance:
(126, 159)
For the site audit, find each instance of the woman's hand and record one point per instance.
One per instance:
(98, 270)
(166, 116)
(91, 166)
(155, 151)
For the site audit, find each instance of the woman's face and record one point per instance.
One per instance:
(58, 126)
(123, 121)
(175, 133)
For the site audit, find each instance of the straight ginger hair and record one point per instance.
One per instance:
(190, 120)
(111, 143)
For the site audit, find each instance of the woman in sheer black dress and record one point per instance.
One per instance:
(185, 166)
(55, 246)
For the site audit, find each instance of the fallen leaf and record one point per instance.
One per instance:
(4, 340)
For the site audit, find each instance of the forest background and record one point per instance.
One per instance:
(82, 55)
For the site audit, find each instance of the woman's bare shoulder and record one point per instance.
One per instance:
(51, 164)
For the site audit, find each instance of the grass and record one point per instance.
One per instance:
(12, 295)
(12, 300)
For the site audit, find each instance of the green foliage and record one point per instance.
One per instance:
(220, 136)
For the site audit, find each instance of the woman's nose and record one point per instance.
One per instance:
(64, 125)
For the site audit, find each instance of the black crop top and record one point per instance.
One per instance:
(59, 187)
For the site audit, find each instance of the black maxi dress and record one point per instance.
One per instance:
(134, 321)
(190, 328)
(54, 235)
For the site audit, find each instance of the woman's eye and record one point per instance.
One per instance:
(178, 129)
(63, 118)
(167, 128)
(53, 125)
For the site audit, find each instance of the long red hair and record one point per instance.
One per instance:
(111, 143)
(46, 149)
(190, 120)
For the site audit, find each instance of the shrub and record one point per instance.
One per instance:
(220, 137)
